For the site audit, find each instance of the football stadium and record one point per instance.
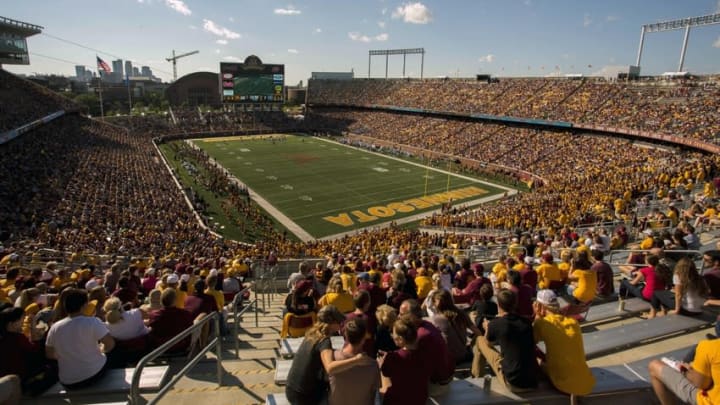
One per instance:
(537, 237)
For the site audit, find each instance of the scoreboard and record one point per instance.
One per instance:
(252, 82)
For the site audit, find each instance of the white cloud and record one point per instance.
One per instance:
(215, 29)
(358, 37)
(716, 44)
(222, 41)
(192, 27)
(586, 20)
(232, 58)
(290, 10)
(489, 58)
(384, 11)
(414, 13)
(318, 30)
(381, 24)
(527, 2)
(217, 51)
(293, 51)
(231, 19)
(612, 18)
(179, 6)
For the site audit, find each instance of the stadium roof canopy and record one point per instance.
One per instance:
(18, 27)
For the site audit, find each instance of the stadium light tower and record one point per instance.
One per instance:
(175, 58)
(684, 23)
(403, 52)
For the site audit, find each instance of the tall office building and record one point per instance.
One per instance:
(146, 72)
(136, 71)
(128, 69)
(117, 72)
(80, 72)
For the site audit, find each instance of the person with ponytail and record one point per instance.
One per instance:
(307, 378)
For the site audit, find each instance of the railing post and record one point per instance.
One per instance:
(257, 324)
(218, 348)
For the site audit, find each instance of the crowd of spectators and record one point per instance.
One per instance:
(27, 101)
(687, 108)
(602, 170)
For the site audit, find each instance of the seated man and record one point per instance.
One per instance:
(711, 272)
(73, 342)
(168, 322)
(516, 366)
(692, 384)
(564, 350)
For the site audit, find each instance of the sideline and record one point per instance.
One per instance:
(288, 223)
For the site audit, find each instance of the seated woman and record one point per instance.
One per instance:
(549, 275)
(307, 378)
(405, 377)
(646, 281)
(453, 324)
(687, 296)
(584, 280)
(396, 293)
(129, 331)
(386, 317)
(336, 296)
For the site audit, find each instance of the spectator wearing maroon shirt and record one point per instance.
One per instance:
(369, 282)
(406, 368)
(200, 303)
(711, 273)
(605, 286)
(126, 294)
(20, 355)
(432, 347)
(168, 322)
(528, 275)
(524, 294)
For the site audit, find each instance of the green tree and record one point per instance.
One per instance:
(89, 103)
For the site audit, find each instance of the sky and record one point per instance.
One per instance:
(461, 37)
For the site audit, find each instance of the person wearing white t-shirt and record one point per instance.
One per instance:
(687, 296)
(73, 342)
(123, 325)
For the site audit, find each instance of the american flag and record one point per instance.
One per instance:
(102, 66)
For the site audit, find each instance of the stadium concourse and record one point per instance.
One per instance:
(91, 208)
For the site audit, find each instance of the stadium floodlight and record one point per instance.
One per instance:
(403, 52)
(683, 23)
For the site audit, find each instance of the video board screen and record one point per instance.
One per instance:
(252, 83)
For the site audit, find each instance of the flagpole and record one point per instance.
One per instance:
(127, 78)
(102, 111)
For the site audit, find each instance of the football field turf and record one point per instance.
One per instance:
(327, 188)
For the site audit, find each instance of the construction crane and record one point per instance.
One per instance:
(174, 61)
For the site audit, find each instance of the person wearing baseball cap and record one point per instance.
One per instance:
(564, 360)
(307, 381)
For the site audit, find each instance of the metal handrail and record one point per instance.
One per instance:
(236, 325)
(135, 386)
(694, 253)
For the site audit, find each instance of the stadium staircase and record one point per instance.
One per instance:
(246, 379)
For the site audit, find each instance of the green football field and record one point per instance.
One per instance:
(327, 188)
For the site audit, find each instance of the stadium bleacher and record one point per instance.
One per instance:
(87, 191)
